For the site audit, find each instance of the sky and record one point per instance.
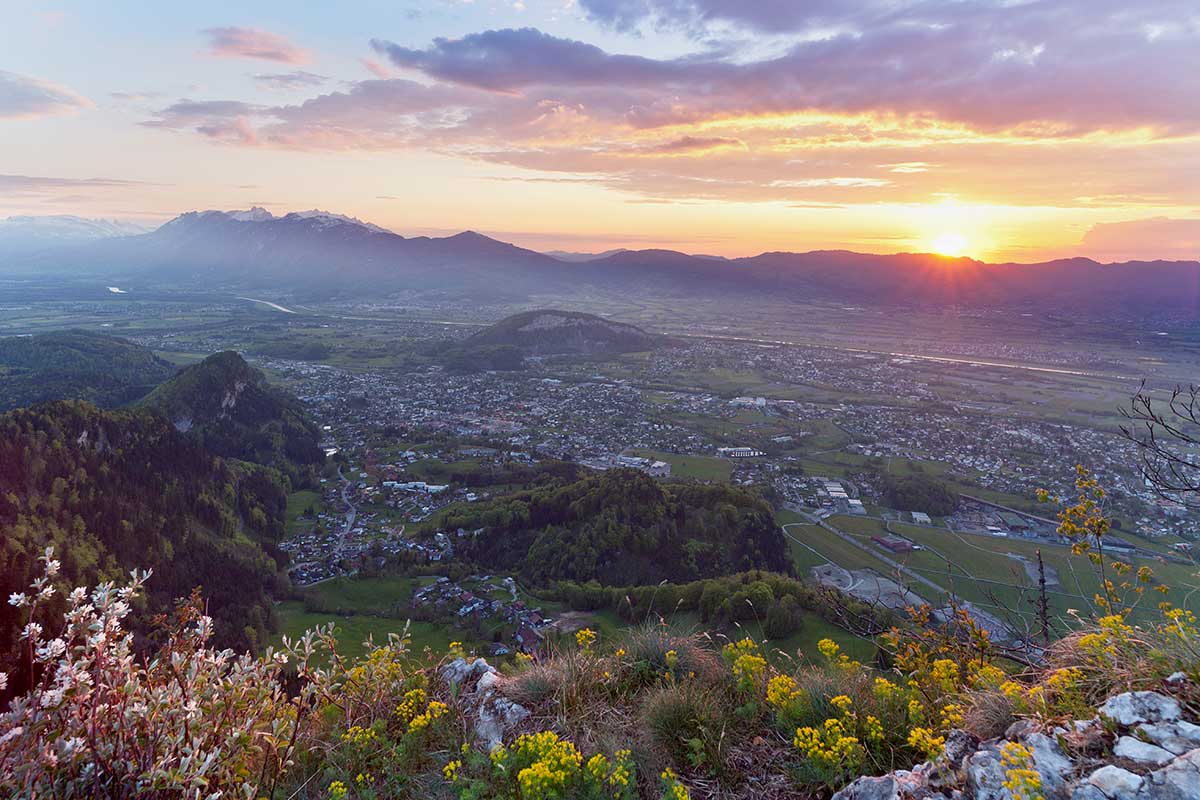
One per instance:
(1008, 130)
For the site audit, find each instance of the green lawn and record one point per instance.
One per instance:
(704, 468)
(979, 569)
(367, 593)
(352, 631)
(296, 503)
(833, 548)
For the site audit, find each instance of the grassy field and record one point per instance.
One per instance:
(995, 573)
(353, 631)
(704, 468)
(365, 593)
(296, 503)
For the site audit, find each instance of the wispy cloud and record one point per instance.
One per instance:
(23, 97)
(289, 81)
(234, 42)
(34, 185)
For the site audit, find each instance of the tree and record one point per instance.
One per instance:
(1167, 437)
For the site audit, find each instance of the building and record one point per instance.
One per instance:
(893, 543)
(1015, 522)
(739, 452)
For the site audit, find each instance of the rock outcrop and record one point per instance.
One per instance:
(478, 683)
(1139, 746)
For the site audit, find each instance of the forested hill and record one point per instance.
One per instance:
(228, 407)
(623, 527)
(76, 365)
(118, 490)
(550, 331)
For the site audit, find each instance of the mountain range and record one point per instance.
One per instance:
(28, 234)
(321, 255)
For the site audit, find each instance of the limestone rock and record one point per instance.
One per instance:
(985, 775)
(460, 670)
(1177, 737)
(1141, 752)
(1115, 783)
(1131, 708)
(487, 683)
(945, 770)
(496, 718)
(883, 788)
(1179, 780)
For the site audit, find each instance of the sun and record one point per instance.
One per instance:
(949, 244)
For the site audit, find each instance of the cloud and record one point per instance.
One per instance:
(134, 97)
(1154, 238)
(696, 15)
(375, 68)
(990, 65)
(692, 145)
(992, 101)
(234, 42)
(23, 97)
(509, 59)
(219, 120)
(289, 81)
(44, 189)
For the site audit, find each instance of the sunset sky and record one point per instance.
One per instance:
(1002, 129)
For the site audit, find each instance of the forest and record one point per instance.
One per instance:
(227, 406)
(80, 365)
(116, 490)
(623, 527)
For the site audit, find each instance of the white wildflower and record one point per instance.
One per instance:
(32, 631)
(71, 744)
(51, 698)
(18, 599)
(51, 650)
(52, 566)
(12, 734)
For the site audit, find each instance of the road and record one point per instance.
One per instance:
(353, 515)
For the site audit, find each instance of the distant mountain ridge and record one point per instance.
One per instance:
(227, 406)
(313, 250)
(325, 255)
(29, 234)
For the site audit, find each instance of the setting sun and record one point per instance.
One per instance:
(950, 244)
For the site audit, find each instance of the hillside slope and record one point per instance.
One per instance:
(227, 406)
(118, 490)
(76, 365)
